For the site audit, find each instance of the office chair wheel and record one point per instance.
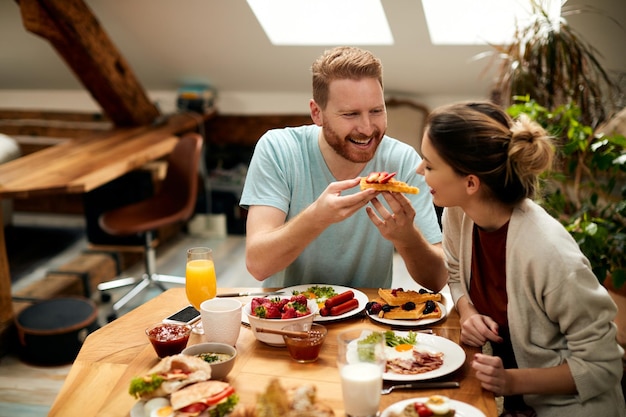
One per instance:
(105, 297)
(111, 317)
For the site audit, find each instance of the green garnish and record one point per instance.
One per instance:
(366, 348)
(224, 407)
(321, 293)
(392, 340)
(209, 357)
(139, 385)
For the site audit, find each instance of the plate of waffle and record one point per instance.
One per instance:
(397, 307)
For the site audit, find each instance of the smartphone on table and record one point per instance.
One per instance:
(186, 315)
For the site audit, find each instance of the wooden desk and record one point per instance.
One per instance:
(97, 384)
(81, 165)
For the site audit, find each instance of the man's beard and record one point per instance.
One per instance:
(342, 145)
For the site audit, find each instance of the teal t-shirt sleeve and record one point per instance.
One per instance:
(266, 181)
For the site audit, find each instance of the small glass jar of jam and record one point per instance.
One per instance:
(306, 347)
(168, 339)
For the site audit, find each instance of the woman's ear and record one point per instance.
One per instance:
(316, 113)
(472, 184)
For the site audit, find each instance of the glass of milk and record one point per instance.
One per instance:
(361, 362)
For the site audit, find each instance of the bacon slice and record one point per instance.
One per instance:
(421, 362)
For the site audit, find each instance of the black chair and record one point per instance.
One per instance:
(175, 201)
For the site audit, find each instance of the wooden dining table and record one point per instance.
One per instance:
(98, 381)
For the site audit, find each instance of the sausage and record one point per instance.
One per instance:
(339, 299)
(345, 307)
(324, 311)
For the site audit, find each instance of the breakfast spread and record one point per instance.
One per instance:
(384, 181)
(398, 304)
(404, 356)
(180, 385)
(278, 401)
(433, 406)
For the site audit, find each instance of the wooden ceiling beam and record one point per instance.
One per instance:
(76, 34)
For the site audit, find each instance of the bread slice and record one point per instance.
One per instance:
(393, 185)
(402, 297)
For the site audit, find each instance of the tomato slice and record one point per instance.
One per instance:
(194, 409)
(219, 396)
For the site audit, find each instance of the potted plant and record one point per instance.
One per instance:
(551, 63)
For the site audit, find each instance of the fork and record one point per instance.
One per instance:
(420, 385)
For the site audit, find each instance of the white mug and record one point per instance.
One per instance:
(221, 320)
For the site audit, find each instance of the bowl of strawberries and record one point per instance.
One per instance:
(268, 315)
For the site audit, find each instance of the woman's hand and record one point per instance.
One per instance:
(477, 329)
(491, 374)
(395, 224)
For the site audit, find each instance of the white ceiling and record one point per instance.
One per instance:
(170, 42)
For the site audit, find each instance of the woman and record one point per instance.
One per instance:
(517, 278)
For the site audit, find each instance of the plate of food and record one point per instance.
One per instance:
(439, 404)
(413, 356)
(181, 384)
(335, 301)
(397, 307)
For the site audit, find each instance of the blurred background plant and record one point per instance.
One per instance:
(586, 191)
(554, 76)
(548, 61)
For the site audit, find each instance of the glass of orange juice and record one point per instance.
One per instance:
(200, 279)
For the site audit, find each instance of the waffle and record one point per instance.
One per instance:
(402, 297)
(417, 314)
(393, 185)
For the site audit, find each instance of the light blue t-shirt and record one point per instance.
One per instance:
(287, 171)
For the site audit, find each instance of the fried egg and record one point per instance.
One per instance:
(157, 407)
(165, 411)
(438, 404)
(403, 351)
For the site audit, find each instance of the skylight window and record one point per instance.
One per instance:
(323, 22)
(462, 22)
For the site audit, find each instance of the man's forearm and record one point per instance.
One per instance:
(269, 252)
(424, 262)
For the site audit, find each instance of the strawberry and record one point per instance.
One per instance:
(372, 177)
(386, 178)
(273, 312)
(289, 313)
(300, 299)
(256, 302)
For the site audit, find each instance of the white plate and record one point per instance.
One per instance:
(410, 323)
(360, 296)
(462, 409)
(453, 357)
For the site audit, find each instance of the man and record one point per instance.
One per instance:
(306, 222)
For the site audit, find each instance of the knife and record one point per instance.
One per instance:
(422, 385)
(246, 294)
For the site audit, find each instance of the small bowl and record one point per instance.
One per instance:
(277, 324)
(168, 339)
(219, 370)
(305, 349)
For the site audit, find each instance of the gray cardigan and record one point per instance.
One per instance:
(557, 310)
